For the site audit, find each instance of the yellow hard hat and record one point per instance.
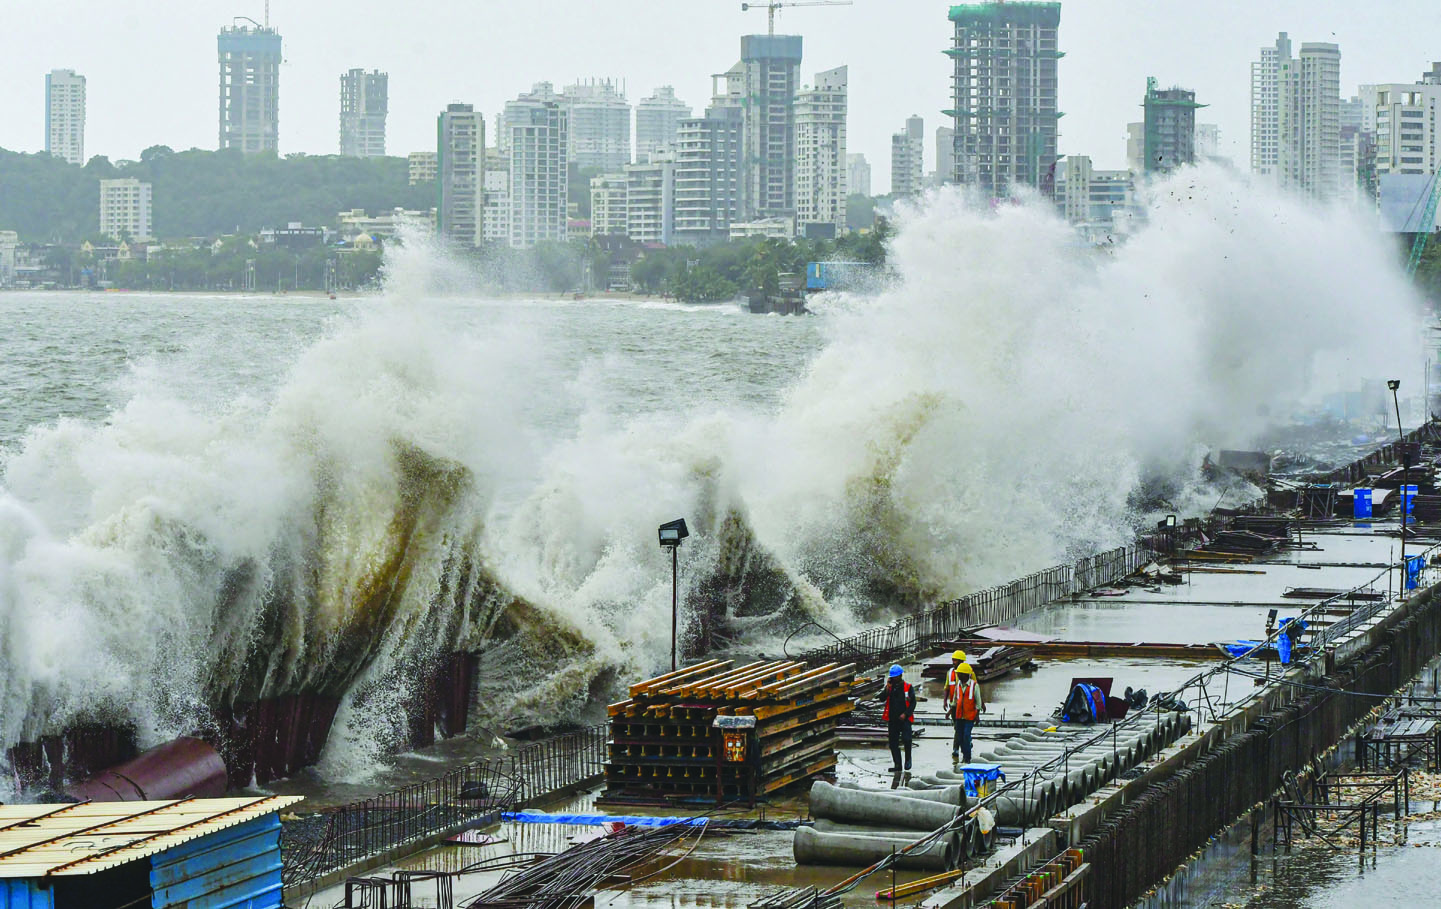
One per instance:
(959, 655)
(966, 668)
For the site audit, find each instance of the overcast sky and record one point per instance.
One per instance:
(152, 70)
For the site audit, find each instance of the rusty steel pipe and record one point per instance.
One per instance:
(184, 768)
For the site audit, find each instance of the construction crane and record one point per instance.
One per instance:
(772, 5)
(1425, 226)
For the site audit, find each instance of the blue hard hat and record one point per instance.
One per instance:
(896, 671)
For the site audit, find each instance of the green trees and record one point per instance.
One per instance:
(202, 193)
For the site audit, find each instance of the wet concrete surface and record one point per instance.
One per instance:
(734, 869)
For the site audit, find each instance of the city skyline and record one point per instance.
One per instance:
(879, 42)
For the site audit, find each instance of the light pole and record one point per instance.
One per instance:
(671, 533)
(1395, 384)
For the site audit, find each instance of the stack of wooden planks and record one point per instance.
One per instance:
(664, 744)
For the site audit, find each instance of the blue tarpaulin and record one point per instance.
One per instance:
(595, 820)
(1414, 564)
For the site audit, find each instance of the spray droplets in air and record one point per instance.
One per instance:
(990, 414)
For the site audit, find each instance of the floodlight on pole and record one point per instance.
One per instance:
(671, 534)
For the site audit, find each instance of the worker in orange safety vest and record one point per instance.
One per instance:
(964, 704)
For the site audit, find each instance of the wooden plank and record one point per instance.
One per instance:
(725, 686)
(618, 708)
(817, 679)
(670, 677)
(767, 711)
(689, 687)
(824, 713)
(743, 687)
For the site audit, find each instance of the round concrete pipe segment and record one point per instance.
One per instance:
(878, 809)
(184, 768)
(949, 795)
(813, 847)
(1013, 811)
(824, 825)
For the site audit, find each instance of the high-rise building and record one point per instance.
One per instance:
(607, 205)
(65, 115)
(1296, 117)
(945, 155)
(599, 125)
(858, 175)
(363, 106)
(908, 149)
(496, 226)
(1208, 141)
(249, 88)
(650, 199)
(539, 150)
(125, 209)
(422, 166)
(820, 156)
(460, 158)
(1095, 198)
(657, 122)
(1170, 127)
(770, 75)
(1403, 117)
(1005, 64)
(708, 173)
(1136, 147)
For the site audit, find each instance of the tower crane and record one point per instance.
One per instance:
(770, 6)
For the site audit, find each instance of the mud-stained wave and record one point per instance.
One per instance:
(992, 413)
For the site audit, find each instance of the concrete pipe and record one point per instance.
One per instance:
(1013, 811)
(824, 825)
(949, 795)
(813, 847)
(878, 809)
(184, 768)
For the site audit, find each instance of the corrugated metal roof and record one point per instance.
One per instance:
(83, 838)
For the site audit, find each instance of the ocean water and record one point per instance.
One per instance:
(214, 499)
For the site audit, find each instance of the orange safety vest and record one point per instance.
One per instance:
(965, 696)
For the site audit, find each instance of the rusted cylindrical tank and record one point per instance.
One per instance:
(184, 768)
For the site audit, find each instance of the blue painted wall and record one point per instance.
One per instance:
(237, 868)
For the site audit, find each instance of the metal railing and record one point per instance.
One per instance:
(345, 837)
(993, 606)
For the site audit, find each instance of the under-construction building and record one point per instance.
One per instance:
(1004, 91)
(1170, 128)
(249, 87)
(770, 66)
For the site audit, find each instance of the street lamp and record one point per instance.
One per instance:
(671, 534)
(1394, 385)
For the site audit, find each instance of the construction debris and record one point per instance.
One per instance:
(715, 732)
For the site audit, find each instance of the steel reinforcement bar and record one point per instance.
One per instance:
(349, 837)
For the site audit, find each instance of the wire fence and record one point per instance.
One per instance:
(1385, 456)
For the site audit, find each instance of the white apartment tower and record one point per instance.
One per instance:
(1005, 62)
(496, 222)
(770, 75)
(650, 199)
(1296, 117)
(460, 171)
(539, 148)
(858, 175)
(607, 205)
(65, 115)
(907, 150)
(1403, 119)
(363, 106)
(657, 122)
(249, 88)
(945, 154)
(422, 166)
(125, 209)
(820, 157)
(598, 119)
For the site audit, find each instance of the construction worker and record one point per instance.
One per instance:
(963, 704)
(899, 714)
